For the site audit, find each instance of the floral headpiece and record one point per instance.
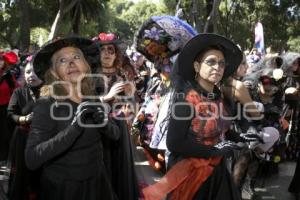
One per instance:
(107, 38)
(10, 58)
(161, 37)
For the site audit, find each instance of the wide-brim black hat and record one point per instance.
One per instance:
(186, 58)
(42, 60)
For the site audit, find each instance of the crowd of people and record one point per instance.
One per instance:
(208, 117)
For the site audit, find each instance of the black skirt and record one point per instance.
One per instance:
(219, 186)
(94, 188)
(294, 186)
(23, 182)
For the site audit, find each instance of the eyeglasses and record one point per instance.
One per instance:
(109, 50)
(213, 62)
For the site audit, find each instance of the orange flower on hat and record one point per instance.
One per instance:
(155, 49)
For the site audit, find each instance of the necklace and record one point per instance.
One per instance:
(109, 70)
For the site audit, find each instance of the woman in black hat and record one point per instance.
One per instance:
(66, 134)
(110, 58)
(22, 181)
(114, 89)
(197, 164)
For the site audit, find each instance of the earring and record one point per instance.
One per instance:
(197, 69)
(196, 75)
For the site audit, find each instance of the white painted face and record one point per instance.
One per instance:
(30, 76)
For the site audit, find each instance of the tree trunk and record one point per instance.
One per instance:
(24, 26)
(194, 15)
(57, 21)
(211, 22)
(76, 20)
(63, 9)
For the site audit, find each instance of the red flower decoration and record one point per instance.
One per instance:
(266, 80)
(10, 58)
(196, 125)
(106, 36)
(193, 97)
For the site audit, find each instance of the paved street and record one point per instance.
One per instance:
(273, 187)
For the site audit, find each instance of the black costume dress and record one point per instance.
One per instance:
(8, 84)
(118, 155)
(23, 182)
(71, 159)
(294, 143)
(194, 137)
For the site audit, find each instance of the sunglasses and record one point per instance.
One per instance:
(213, 62)
(109, 50)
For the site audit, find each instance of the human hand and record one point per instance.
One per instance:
(100, 117)
(114, 91)
(84, 112)
(252, 135)
(26, 119)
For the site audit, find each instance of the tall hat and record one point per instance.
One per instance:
(42, 60)
(185, 61)
(162, 37)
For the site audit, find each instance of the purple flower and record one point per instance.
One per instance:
(153, 33)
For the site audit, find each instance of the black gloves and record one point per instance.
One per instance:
(226, 148)
(100, 116)
(251, 135)
(89, 114)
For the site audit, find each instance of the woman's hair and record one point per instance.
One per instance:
(50, 89)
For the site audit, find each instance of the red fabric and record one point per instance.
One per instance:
(10, 58)
(6, 91)
(206, 124)
(183, 179)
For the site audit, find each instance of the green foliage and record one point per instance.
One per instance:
(39, 36)
(236, 19)
(127, 17)
(294, 44)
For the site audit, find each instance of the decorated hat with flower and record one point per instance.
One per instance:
(10, 57)
(107, 38)
(162, 37)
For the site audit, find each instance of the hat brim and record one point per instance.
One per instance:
(42, 60)
(186, 58)
(113, 42)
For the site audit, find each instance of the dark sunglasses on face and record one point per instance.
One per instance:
(213, 62)
(109, 50)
